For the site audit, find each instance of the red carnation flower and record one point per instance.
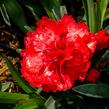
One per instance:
(57, 54)
(102, 39)
(92, 75)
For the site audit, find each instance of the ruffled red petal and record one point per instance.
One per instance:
(92, 76)
(102, 38)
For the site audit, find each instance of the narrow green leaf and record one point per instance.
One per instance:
(101, 9)
(56, 12)
(28, 104)
(86, 11)
(106, 16)
(34, 102)
(4, 14)
(18, 50)
(90, 14)
(28, 28)
(22, 83)
(48, 6)
(37, 7)
(12, 98)
(16, 75)
(107, 28)
(39, 99)
(50, 103)
(93, 90)
(33, 12)
(105, 55)
(16, 13)
(4, 86)
(63, 10)
(52, 8)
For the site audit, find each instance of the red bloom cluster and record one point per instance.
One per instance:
(102, 38)
(92, 76)
(57, 53)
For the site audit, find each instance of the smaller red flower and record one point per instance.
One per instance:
(92, 76)
(102, 39)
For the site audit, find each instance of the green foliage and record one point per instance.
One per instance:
(101, 10)
(95, 13)
(106, 16)
(4, 14)
(35, 8)
(31, 101)
(93, 90)
(12, 98)
(11, 9)
(50, 103)
(90, 14)
(54, 8)
(4, 86)
(16, 75)
(28, 104)
(22, 101)
(16, 13)
(107, 28)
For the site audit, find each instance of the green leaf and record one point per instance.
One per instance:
(16, 75)
(93, 90)
(28, 104)
(50, 103)
(53, 8)
(107, 28)
(90, 14)
(36, 6)
(4, 86)
(63, 10)
(86, 11)
(34, 102)
(106, 16)
(12, 98)
(16, 13)
(33, 12)
(49, 6)
(101, 9)
(105, 55)
(4, 14)
(28, 28)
